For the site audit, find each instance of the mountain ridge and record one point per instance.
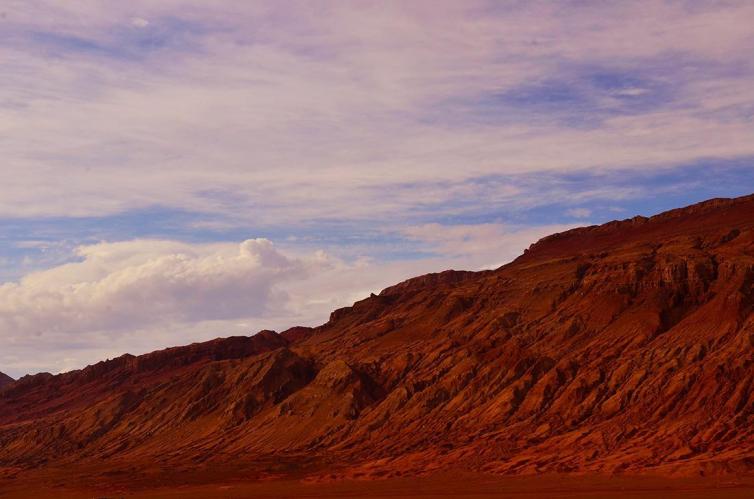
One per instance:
(450, 275)
(621, 348)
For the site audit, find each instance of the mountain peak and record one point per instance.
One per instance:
(691, 221)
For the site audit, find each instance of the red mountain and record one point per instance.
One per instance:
(626, 347)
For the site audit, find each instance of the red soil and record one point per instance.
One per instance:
(463, 485)
(623, 348)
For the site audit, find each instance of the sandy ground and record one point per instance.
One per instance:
(466, 486)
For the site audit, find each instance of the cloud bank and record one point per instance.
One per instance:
(130, 284)
(172, 292)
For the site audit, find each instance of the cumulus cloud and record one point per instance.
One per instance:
(140, 295)
(117, 286)
(125, 286)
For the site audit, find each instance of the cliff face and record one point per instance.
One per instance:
(622, 347)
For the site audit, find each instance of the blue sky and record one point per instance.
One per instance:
(179, 170)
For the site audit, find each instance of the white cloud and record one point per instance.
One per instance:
(140, 295)
(117, 286)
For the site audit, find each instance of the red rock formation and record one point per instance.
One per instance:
(622, 347)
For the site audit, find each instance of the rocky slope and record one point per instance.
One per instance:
(626, 347)
(5, 380)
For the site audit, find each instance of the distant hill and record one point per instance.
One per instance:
(625, 347)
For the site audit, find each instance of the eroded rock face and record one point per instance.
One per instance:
(622, 347)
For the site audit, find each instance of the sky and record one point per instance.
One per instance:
(178, 170)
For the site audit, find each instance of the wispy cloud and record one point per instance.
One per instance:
(357, 97)
(388, 132)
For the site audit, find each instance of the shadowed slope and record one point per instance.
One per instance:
(5, 380)
(622, 347)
